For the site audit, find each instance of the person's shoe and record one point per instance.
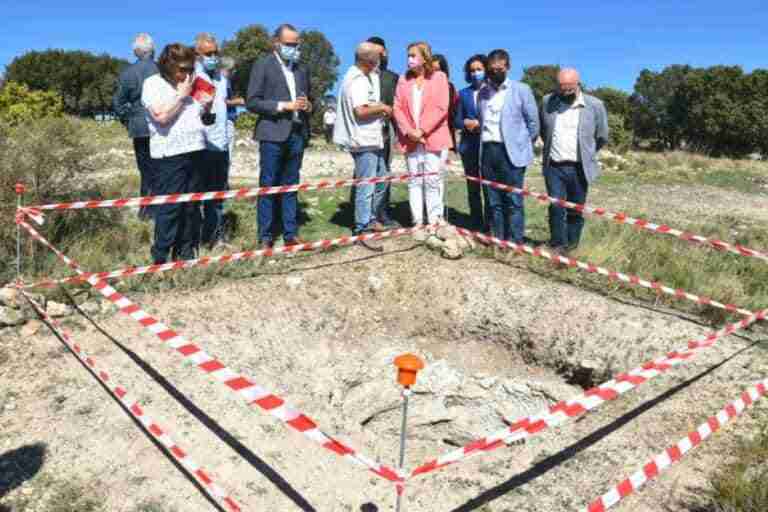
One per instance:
(377, 227)
(263, 245)
(371, 245)
(389, 223)
(296, 241)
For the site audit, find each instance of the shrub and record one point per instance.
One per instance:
(19, 105)
(246, 121)
(51, 157)
(621, 137)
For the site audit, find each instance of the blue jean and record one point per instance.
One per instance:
(479, 210)
(215, 170)
(177, 225)
(368, 198)
(280, 165)
(569, 183)
(507, 208)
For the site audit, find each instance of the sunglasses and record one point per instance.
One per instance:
(186, 69)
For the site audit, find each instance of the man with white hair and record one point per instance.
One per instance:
(215, 159)
(574, 128)
(128, 107)
(359, 129)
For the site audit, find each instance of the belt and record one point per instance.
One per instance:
(564, 163)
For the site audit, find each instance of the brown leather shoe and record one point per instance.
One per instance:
(378, 227)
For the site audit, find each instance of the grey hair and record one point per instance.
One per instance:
(367, 53)
(205, 37)
(143, 45)
(227, 63)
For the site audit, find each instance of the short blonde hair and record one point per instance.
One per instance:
(426, 53)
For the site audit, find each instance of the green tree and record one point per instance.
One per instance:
(19, 105)
(616, 102)
(724, 110)
(85, 81)
(654, 109)
(249, 45)
(318, 55)
(542, 79)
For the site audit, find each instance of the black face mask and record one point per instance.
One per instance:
(568, 98)
(383, 62)
(497, 77)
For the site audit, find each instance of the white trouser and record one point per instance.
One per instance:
(426, 189)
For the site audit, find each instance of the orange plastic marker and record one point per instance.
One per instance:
(408, 366)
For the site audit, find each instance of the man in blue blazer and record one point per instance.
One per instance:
(467, 120)
(279, 92)
(509, 125)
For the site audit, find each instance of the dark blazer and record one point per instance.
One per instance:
(467, 109)
(268, 86)
(388, 80)
(126, 101)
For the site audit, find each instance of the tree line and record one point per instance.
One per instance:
(718, 110)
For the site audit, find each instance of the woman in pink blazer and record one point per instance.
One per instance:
(421, 113)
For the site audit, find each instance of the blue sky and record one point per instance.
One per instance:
(609, 41)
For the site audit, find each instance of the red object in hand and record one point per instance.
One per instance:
(202, 87)
(20, 189)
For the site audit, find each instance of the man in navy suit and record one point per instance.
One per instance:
(278, 92)
(467, 120)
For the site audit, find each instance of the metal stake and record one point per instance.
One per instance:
(403, 431)
(19, 194)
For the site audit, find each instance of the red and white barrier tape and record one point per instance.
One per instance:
(227, 258)
(161, 435)
(623, 218)
(594, 269)
(561, 412)
(230, 194)
(245, 388)
(673, 454)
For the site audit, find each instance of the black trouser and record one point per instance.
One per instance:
(144, 163)
(215, 178)
(177, 225)
(385, 210)
(328, 133)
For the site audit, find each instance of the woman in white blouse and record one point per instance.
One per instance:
(176, 139)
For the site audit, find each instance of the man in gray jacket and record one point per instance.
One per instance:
(127, 105)
(574, 128)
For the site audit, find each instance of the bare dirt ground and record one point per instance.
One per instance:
(321, 331)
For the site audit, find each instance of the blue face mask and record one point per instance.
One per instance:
(289, 54)
(478, 76)
(210, 63)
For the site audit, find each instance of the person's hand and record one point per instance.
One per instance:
(236, 102)
(206, 100)
(415, 136)
(302, 103)
(386, 111)
(184, 88)
(471, 124)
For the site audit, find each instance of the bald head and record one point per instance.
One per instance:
(568, 81)
(367, 56)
